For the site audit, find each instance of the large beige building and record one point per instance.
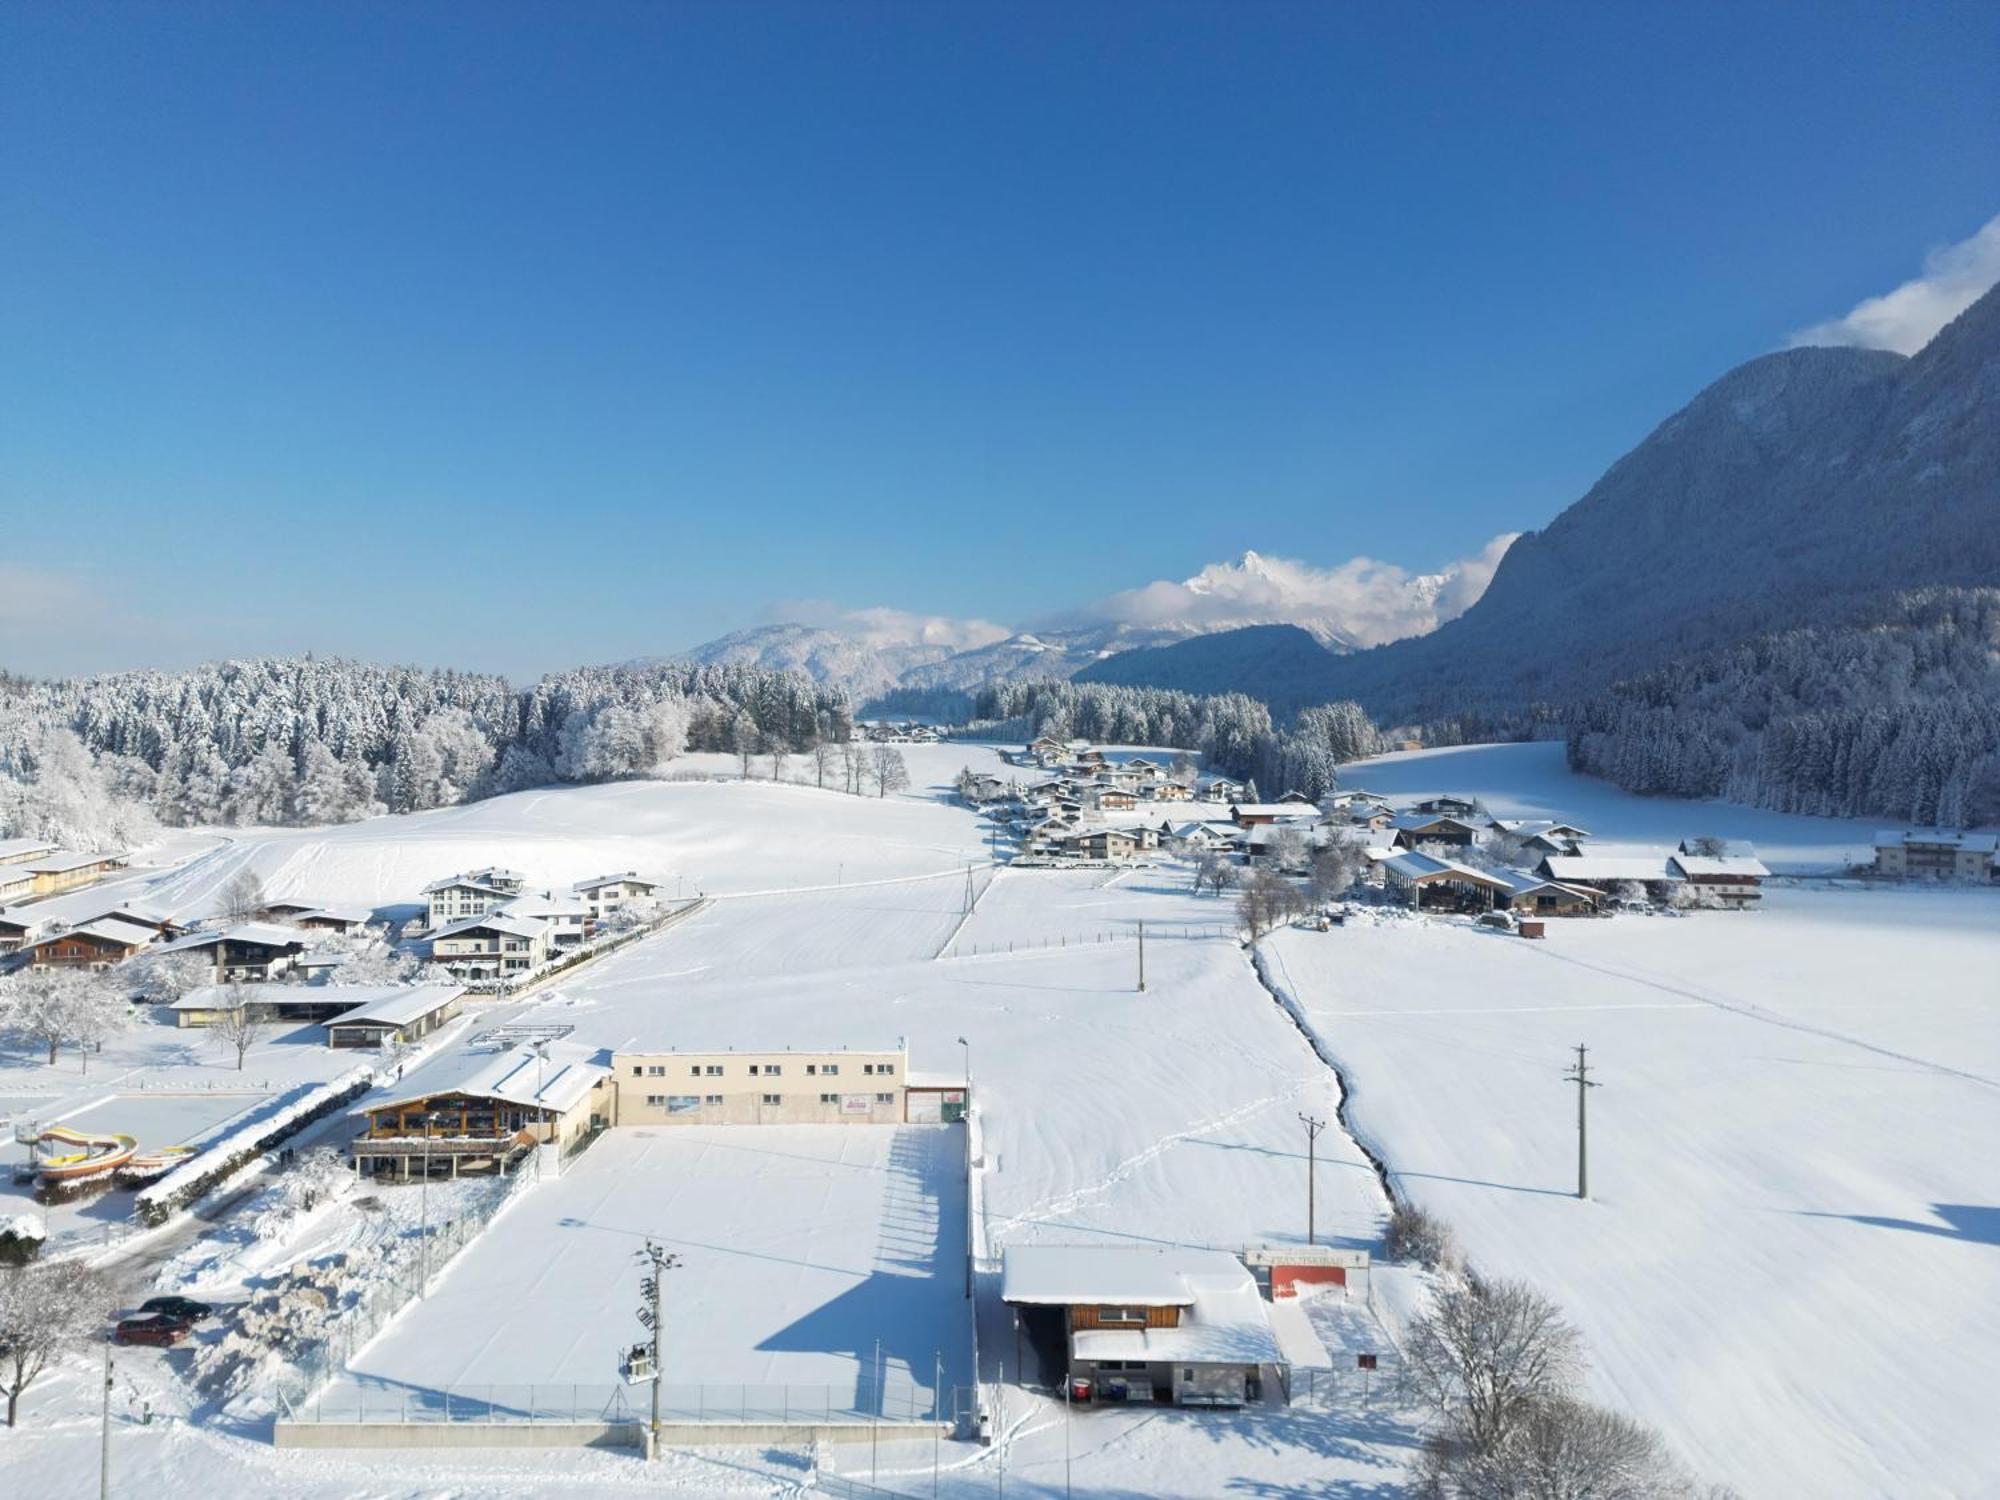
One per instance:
(761, 1088)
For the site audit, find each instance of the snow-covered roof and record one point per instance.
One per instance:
(498, 921)
(230, 996)
(1734, 866)
(1972, 843)
(1521, 882)
(468, 883)
(1409, 821)
(397, 1005)
(1225, 1321)
(1414, 865)
(544, 904)
(268, 933)
(13, 849)
(1529, 828)
(65, 860)
(1594, 867)
(111, 930)
(358, 915)
(1274, 810)
(625, 877)
(509, 1075)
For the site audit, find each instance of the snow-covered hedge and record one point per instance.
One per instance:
(21, 1237)
(186, 1183)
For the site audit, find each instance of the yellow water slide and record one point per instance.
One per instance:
(93, 1153)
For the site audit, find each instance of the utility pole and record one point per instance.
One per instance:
(937, 1426)
(104, 1436)
(1142, 958)
(1313, 1128)
(875, 1424)
(654, 1261)
(1579, 1074)
(968, 889)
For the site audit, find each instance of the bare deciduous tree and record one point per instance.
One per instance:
(1561, 1449)
(891, 775)
(45, 1310)
(824, 753)
(1485, 1354)
(1215, 871)
(56, 1008)
(237, 1027)
(1333, 871)
(243, 897)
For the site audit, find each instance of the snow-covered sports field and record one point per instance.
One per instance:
(800, 1246)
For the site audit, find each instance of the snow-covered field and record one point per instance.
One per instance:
(800, 1246)
(1791, 1258)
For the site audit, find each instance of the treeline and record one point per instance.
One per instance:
(274, 741)
(1235, 733)
(1896, 717)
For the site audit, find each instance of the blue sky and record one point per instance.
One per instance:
(513, 337)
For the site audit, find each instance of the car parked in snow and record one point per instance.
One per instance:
(185, 1308)
(160, 1332)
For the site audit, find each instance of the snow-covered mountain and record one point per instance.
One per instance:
(1349, 607)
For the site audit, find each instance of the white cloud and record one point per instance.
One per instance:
(1361, 602)
(881, 626)
(1906, 319)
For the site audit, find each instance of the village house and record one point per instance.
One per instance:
(491, 946)
(264, 1003)
(792, 1087)
(288, 909)
(471, 894)
(1353, 799)
(393, 1013)
(569, 919)
(1417, 828)
(96, 944)
(1140, 768)
(17, 883)
(1252, 814)
(1728, 880)
(20, 851)
(1113, 799)
(69, 871)
(1611, 874)
(340, 920)
(1169, 791)
(1537, 895)
(1936, 854)
(1457, 807)
(484, 1109)
(607, 893)
(1165, 1325)
(15, 929)
(1540, 837)
(1222, 789)
(1106, 843)
(248, 950)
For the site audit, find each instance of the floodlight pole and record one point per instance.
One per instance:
(656, 1263)
(1313, 1128)
(1142, 958)
(1579, 1074)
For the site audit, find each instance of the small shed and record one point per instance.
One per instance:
(401, 1015)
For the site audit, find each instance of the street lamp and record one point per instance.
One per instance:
(431, 1117)
(968, 1070)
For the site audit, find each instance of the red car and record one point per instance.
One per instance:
(161, 1332)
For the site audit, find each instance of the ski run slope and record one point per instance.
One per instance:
(1789, 1264)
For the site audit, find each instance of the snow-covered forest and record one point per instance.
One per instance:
(1235, 733)
(1897, 718)
(98, 761)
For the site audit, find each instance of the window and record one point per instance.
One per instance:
(772, 1070)
(832, 1070)
(810, 1070)
(1133, 1316)
(695, 1069)
(885, 1098)
(774, 1098)
(636, 1070)
(711, 1098)
(829, 1098)
(656, 1070)
(753, 1070)
(713, 1070)
(656, 1101)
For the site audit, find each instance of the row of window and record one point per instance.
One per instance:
(764, 1070)
(675, 1103)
